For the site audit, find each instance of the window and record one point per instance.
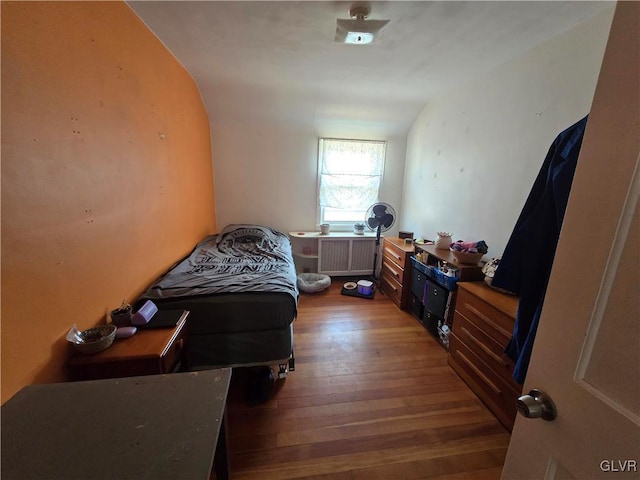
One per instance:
(350, 173)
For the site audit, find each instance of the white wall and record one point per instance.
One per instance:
(266, 166)
(472, 155)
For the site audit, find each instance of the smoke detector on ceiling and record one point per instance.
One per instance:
(358, 30)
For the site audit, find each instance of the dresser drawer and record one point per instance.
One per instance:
(394, 254)
(392, 270)
(436, 299)
(171, 358)
(392, 288)
(431, 322)
(418, 280)
(416, 307)
(491, 321)
(490, 387)
(484, 347)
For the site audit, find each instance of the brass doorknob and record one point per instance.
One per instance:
(537, 404)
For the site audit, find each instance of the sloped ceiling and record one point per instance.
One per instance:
(277, 61)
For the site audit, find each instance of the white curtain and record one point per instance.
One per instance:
(350, 173)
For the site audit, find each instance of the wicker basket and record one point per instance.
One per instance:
(467, 258)
(96, 339)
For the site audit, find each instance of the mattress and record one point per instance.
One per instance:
(241, 259)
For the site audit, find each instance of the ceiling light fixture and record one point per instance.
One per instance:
(358, 30)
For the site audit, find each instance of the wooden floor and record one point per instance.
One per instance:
(372, 397)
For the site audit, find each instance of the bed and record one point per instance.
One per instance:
(240, 289)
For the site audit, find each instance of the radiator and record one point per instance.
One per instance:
(348, 256)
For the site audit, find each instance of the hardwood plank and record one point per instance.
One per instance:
(407, 437)
(436, 466)
(248, 417)
(270, 455)
(360, 420)
(372, 397)
(376, 458)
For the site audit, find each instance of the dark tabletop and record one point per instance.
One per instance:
(151, 427)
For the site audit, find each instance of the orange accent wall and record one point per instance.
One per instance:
(107, 175)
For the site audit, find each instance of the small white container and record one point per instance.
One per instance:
(365, 287)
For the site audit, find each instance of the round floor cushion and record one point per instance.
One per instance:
(313, 282)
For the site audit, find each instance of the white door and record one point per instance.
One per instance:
(586, 353)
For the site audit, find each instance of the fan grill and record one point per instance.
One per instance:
(380, 216)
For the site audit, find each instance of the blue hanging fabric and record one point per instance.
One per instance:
(527, 259)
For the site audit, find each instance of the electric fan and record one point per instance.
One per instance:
(380, 217)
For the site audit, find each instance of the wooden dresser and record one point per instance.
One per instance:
(482, 326)
(395, 278)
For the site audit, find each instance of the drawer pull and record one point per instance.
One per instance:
(477, 371)
(484, 348)
(393, 254)
(487, 319)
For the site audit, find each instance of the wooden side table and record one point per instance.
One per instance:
(148, 352)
